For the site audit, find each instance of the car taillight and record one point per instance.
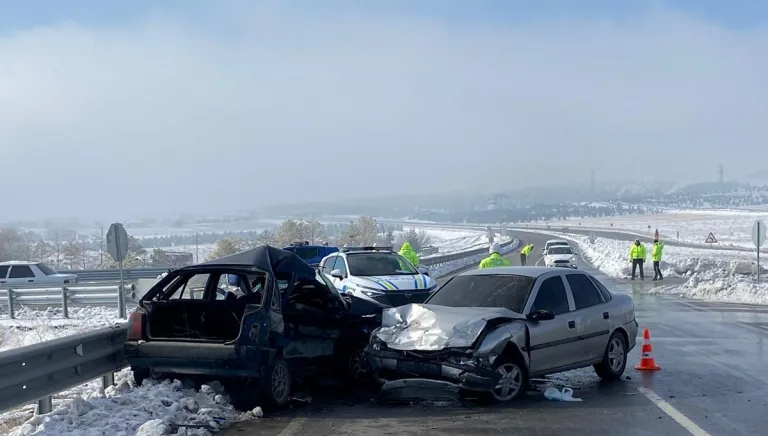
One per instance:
(136, 326)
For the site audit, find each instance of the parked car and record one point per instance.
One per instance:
(312, 254)
(554, 243)
(490, 330)
(286, 322)
(378, 274)
(561, 256)
(20, 273)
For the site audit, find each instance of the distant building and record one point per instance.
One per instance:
(171, 259)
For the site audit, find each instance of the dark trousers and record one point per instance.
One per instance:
(522, 259)
(656, 270)
(637, 263)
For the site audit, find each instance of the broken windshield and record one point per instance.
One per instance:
(507, 291)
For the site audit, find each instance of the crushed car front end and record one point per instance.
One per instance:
(443, 347)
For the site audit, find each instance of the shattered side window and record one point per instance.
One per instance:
(192, 288)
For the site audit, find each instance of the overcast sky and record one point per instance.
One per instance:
(223, 105)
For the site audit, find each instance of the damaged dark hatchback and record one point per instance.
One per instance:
(471, 335)
(258, 320)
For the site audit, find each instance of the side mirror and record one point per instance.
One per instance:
(575, 254)
(337, 274)
(541, 315)
(424, 270)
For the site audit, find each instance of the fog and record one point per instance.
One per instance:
(253, 104)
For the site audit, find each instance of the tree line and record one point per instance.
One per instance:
(90, 251)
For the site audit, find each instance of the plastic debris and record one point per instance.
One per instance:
(565, 395)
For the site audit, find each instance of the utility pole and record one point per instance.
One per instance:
(721, 174)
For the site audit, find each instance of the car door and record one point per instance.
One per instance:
(4, 273)
(591, 316)
(552, 342)
(20, 275)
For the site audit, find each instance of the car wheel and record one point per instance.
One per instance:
(140, 374)
(276, 383)
(514, 380)
(359, 367)
(615, 358)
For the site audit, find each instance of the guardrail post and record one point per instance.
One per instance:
(108, 380)
(121, 302)
(44, 405)
(64, 302)
(10, 304)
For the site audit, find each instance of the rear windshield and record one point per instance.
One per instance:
(47, 270)
(508, 291)
(560, 250)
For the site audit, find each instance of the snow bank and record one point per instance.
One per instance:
(443, 269)
(715, 275)
(153, 409)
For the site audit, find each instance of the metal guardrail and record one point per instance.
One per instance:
(131, 274)
(37, 372)
(113, 274)
(65, 296)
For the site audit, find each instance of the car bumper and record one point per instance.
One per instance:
(391, 367)
(563, 265)
(198, 359)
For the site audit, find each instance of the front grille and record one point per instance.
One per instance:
(396, 299)
(562, 261)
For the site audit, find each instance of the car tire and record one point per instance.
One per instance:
(276, 384)
(614, 359)
(514, 369)
(358, 368)
(140, 374)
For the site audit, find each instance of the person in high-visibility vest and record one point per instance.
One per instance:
(524, 253)
(637, 257)
(494, 259)
(658, 247)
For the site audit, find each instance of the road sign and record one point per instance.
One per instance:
(656, 235)
(711, 239)
(592, 237)
(117, 242)
(758, 233)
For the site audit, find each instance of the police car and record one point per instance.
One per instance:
(377, 274)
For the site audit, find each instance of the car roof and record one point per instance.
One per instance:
(557, 240)
(528, 271)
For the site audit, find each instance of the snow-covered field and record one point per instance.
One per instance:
(716, 275)
(729, 226)
(451, 241)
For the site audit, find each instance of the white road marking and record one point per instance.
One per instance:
(293, 426)
(673, 413)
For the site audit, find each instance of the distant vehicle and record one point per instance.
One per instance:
(561, 256)
(285, 322)
(489, 331)
(312, 254)
(378, 274)
(20, 273)
(555, 242)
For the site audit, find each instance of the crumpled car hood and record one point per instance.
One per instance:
(428, 327)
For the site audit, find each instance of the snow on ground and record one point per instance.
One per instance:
(33, 326)
(730, 227)
(451, 241)
(153, 409)
(716, 275)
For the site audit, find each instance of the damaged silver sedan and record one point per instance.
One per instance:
(488, 331)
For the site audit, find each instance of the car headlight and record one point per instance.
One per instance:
(573, 259)
(370, 292)
(376, 343)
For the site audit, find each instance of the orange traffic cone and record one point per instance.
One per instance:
(647, 363)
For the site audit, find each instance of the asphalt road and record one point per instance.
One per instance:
(713, 381)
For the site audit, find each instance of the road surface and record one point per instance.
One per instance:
(712, 382)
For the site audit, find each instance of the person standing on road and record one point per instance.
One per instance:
(407, 252)
(658, 247)
(524, 253)
(637, 256)
(494, 259)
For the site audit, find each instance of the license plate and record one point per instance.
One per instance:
(419, 368)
